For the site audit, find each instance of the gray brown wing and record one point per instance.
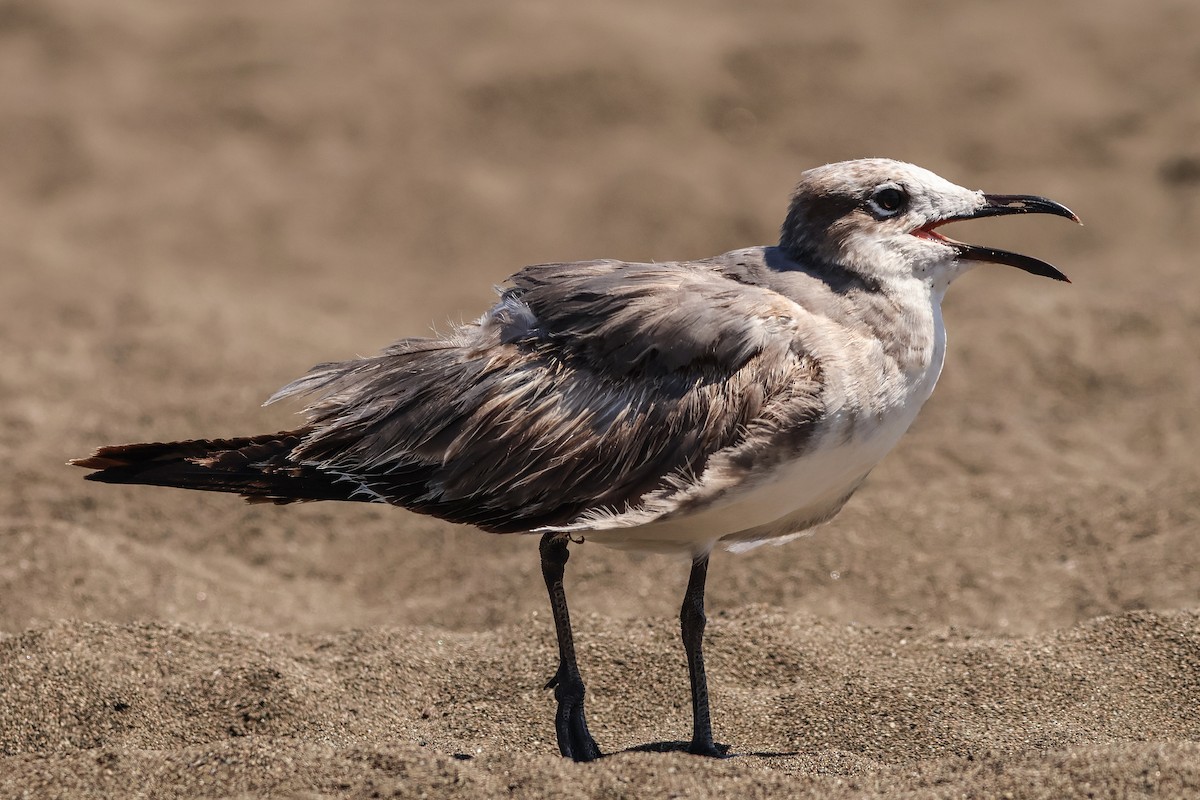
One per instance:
(585, 388)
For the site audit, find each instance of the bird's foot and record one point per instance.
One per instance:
(576, 742)
(570, 723)
(709, 748)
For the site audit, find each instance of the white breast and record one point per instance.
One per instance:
(795, 494)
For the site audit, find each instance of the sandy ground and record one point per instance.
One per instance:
(199, 201)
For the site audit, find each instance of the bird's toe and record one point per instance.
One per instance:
(710, 749)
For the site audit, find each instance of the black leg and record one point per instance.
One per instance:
(570, 724)
(691, 622)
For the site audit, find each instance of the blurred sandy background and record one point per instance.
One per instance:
(200, 200)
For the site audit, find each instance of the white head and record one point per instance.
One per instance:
(876, 217)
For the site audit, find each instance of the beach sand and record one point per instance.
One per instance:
(200, 201)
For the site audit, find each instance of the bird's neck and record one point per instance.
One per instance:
(860, 261)
(905, 317)
(901, 312)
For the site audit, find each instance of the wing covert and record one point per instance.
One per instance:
(585, 389)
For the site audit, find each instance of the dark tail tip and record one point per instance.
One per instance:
(96, 461)
(257, 467)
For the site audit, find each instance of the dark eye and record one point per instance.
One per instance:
(887, 200)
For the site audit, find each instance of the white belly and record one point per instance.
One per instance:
(792, 495)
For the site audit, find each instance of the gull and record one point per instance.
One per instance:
(671, 407)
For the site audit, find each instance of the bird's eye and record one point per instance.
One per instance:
(888, 200)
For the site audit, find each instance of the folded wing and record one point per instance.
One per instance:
(588, 387)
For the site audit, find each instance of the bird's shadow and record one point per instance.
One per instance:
(682, 747)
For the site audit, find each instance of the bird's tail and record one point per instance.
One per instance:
(259, 468)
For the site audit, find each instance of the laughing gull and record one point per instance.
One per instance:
(671, 407)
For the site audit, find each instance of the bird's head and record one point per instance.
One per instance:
(878, 218)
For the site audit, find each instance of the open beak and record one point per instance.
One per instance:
(996, 205)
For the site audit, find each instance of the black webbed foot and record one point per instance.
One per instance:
(710, 749)
(570, 723)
